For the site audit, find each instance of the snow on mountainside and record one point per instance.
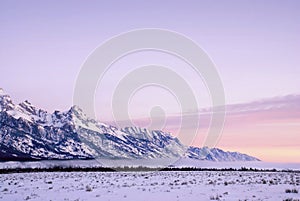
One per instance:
(28, 133)
(215, 154)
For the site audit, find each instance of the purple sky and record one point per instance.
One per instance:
(254, 44)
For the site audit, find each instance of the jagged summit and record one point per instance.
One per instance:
(1, 91)
(5, 101)
(27, 133)
(77, 109)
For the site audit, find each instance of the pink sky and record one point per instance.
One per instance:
(268, 129)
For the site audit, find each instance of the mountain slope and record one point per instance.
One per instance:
(29, 133)
(215, 154)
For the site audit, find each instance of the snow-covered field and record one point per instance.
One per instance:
(149, 163)
(152, 186)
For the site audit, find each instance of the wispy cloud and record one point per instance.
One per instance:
(280, 107)
(263, 128)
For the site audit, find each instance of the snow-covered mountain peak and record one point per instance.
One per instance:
(2, 92)
(28, 107)
(5, 101)
(76, 109)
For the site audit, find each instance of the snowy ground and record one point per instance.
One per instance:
(149, 163)
(152, 186)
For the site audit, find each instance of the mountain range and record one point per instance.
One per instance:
(30, 133)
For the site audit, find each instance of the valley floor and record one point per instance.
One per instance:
(152, 186)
